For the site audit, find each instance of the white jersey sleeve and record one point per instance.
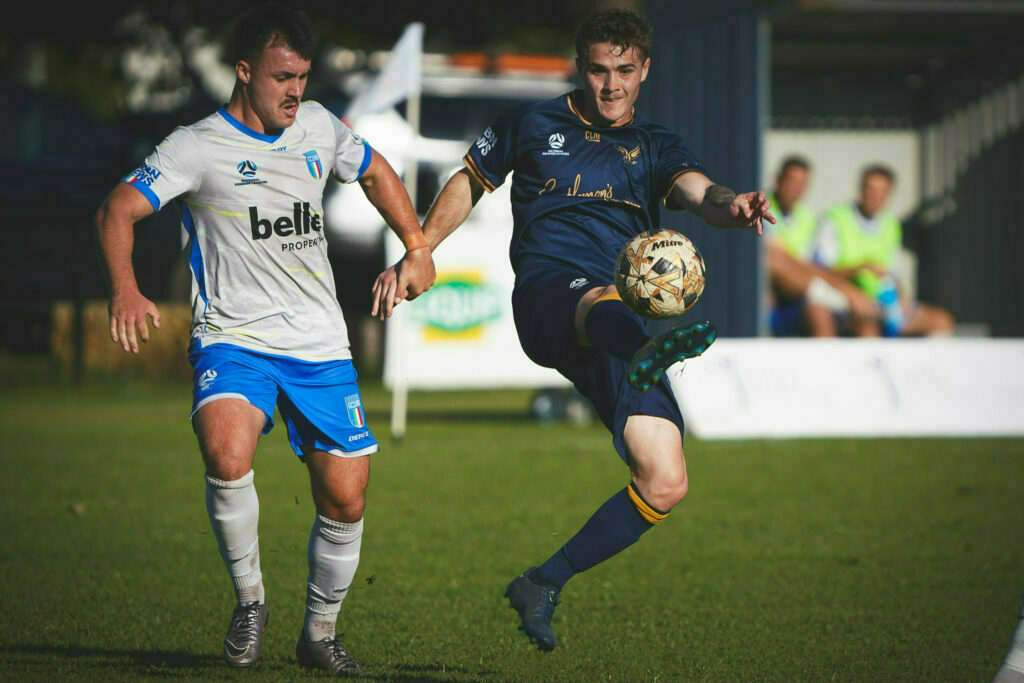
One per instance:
(352, 153)
(174, 168)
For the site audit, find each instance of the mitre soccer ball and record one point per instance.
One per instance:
(659, 275)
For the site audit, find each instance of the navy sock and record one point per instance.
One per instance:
(614, 527)
(614, 329)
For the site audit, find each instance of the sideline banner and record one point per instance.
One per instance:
(460, 334)
(767, 388)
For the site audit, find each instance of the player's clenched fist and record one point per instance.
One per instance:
(128, 315)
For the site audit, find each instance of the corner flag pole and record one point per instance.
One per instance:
(400, 390)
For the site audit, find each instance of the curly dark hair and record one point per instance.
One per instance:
(621, 27)
(267, 25)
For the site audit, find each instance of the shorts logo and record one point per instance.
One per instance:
(248, 171)
(355, 411)
(206, 379)
(486, 142)
(578, 283)
(313, 164)
(555, 143)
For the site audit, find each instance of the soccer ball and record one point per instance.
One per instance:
(659, 275)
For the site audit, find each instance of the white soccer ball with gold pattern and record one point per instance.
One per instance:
(660, 275)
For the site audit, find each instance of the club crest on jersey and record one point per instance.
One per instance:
(316, 169)
(629, 156)
(355, 411)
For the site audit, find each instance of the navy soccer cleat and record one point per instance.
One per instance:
(536, 605)
(245, 634)
(678, 344)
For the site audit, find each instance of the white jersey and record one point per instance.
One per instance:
(253, 230)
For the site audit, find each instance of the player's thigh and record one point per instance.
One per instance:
(338, 484)
(228, 430)
(654, 446)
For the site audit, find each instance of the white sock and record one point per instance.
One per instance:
(822, 293)
(234, 513)
(1013, 666)
(333, 558)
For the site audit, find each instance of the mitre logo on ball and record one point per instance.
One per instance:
(660, 275)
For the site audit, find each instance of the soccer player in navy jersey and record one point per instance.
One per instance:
(588, 172)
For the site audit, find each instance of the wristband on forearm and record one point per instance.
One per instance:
(415, 240)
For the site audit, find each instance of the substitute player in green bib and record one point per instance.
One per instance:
(805, 296)
(589, 173)
(859, 241)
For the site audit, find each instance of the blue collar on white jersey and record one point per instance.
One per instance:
(246, 129)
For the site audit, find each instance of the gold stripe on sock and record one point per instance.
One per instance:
(645, 510)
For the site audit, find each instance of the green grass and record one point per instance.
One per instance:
(788, 560)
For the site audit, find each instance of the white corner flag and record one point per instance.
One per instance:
(398, 80)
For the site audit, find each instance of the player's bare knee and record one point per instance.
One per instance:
(664, 490)
(348, 509)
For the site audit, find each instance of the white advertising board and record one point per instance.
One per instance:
(461, 334)
(765, 388)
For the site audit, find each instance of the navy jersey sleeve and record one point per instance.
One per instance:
(491, 157)
(674, 159)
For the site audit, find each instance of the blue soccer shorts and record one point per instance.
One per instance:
(544, 304)
(319, 402)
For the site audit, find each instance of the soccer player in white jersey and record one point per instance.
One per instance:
(266, 324)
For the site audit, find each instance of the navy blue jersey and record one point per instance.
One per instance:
(579, 191)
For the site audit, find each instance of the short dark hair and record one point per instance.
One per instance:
(794, 161)
(271, 24)
(621, 27)
(878, 169)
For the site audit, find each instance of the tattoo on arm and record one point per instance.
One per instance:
(719, 196)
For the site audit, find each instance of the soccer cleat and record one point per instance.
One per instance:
(245, 633)
(678, 344)
(536, 605)
(329, 655)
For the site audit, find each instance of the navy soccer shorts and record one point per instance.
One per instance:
(319, 402)
(544, 304)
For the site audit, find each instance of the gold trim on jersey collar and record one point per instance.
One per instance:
(572, 107)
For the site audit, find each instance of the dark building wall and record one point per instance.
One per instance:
(705, 85)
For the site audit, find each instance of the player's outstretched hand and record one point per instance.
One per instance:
(127, 315)
(750, 209)
(407, 279)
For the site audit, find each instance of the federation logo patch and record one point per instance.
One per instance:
(247, 170)
(206, 379)
(555, 143)
(355, 411)
(316, 169)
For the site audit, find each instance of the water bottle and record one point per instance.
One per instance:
(892, 311)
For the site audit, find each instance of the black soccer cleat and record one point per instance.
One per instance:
(536, 606)
(327, 655)
(678, 344)
(245, 634)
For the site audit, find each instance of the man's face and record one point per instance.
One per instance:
(611, 82)
(275, 85)
(791, 185)
(874, 193)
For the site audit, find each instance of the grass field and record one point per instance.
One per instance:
(804, 560)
